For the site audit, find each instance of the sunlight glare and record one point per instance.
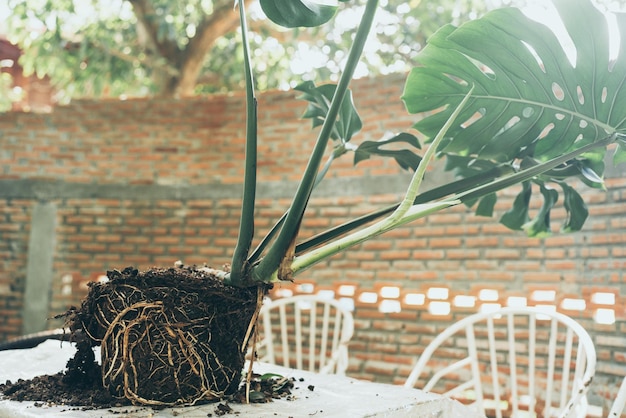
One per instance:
(5, 12)
(545, 12)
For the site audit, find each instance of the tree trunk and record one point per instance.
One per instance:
(223, 21)
(178, 76)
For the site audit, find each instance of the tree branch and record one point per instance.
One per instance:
(187, 62)
(223, 20)
(148, 60)
(147, 18)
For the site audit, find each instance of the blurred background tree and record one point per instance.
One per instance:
(113, 48)
(109, 48)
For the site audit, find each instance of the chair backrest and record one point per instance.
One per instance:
(305, 332)
(620, 401)
(512, 361)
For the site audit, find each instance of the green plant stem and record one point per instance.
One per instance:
(246, 223)
(256, 254)
(533, 171)
(418, 176)
(425, 197)
(465, 189)
(277, 252)
(415, 212)
(406, 212)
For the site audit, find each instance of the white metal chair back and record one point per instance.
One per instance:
(620, 401)
(306, 332)
(513, 361)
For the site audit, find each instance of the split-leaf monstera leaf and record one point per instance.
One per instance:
(529, 102)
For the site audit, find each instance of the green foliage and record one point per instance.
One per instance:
(530, 104)
(296, 13)
(517, 216)
(8, 94)
(501, 101)
(575, 207)
(348, 121)
(486, 205)
(405, 158)
(90, 48)
(540, 225)
(86, 51)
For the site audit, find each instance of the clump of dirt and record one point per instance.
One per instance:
(80, 385)
(58, 389)
(168, 337)
(53, 390)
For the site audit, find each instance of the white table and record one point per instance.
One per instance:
(333, 396)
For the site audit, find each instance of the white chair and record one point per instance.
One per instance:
(620, 401)
(305, 332)
(524, 362)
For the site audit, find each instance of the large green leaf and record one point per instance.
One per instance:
(529, 103)
(523, 82)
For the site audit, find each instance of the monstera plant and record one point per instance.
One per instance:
(499, 100)
(505, 106)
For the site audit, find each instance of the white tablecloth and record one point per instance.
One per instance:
(333, 396)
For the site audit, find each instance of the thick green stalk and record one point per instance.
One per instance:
(415, 212)
(425, 197)
(277, 252)
(256, 254)
(246, 223)
(418, 176)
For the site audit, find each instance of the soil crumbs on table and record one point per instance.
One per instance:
(58, 390)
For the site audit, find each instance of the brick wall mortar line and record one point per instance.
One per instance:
(58, 189)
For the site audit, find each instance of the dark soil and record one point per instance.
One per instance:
(57, 389)
(165, 321)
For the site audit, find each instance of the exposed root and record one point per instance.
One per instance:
(252, 328)
(167, 339)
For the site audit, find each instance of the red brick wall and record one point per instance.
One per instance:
(148, 182)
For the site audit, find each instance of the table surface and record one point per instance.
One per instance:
(332, 396)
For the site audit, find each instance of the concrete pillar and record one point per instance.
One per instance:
(41, 245)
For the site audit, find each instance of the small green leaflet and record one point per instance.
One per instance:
(517, 216)
(576, 208)
(540, 225)
(348, 122)
(407, 159)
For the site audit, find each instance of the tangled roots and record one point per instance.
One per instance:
(169, 336)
